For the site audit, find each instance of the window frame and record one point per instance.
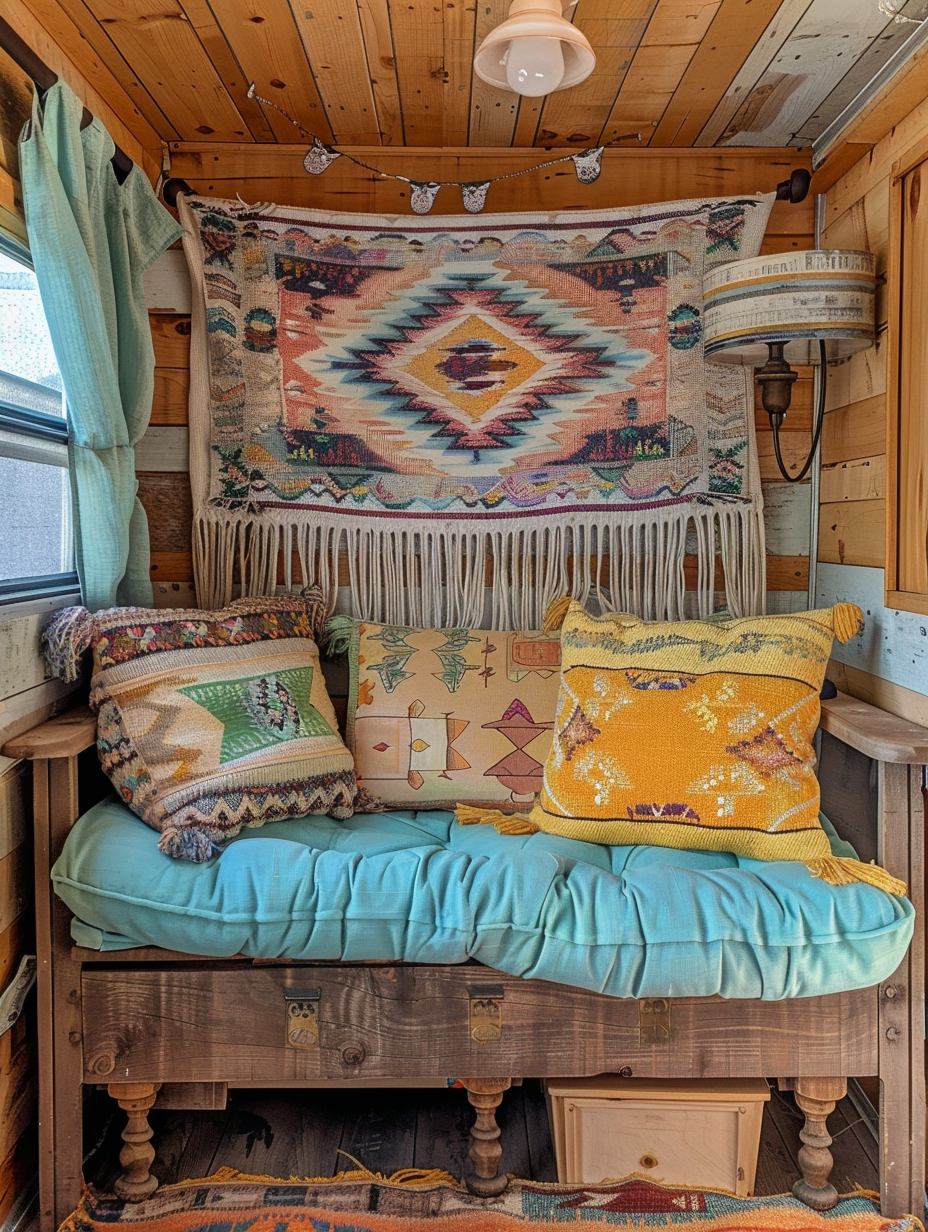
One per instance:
(31, 435)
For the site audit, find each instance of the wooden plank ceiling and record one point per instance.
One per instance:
(690, 73)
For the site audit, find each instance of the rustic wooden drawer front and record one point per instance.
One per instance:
(700, 1132)
(707, 1145)
(242, 1023)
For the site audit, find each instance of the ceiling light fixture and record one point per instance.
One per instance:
(535, 51)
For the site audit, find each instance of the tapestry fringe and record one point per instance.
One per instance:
(470, 575)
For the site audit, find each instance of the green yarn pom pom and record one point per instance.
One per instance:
(336, 636)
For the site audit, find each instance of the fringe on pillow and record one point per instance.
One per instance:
(833, 870)
(504, 823)
(336, 636)
(839, 870)
(66, 638)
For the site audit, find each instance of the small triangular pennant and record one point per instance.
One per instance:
(423, 196)
(588, 164)
(474, 195)
(319, 157)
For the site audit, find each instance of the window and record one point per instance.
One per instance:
(36, 533)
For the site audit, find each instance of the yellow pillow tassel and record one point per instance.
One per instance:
(847, 620)
(504, 823)
(555, 613)
(838, 870)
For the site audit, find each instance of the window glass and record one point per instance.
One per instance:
(35, 519)
(29, 375)
(36, 533)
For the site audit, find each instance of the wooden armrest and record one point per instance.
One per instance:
(874, 732)
(64, 736)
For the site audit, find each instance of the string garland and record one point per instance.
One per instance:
(587, 164)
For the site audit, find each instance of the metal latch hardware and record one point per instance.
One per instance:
(486, 1013)
(302, 1016)
(654, 1020)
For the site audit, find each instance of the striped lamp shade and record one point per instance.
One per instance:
(796, 298)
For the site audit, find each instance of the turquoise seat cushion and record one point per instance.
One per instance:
(416, 887)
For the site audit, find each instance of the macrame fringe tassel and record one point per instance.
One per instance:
(503, 823)
(485, 574)
(838, 870)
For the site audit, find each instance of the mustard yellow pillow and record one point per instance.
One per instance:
(693, 734)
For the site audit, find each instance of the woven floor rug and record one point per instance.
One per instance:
(229, 1202)
(519, 399)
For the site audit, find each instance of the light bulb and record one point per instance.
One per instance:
(534, 66)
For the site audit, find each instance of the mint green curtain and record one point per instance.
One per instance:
(92, 239)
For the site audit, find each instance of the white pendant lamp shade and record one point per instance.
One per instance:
(795, 298)
(535, 51)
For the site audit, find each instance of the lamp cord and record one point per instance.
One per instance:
(819, 420)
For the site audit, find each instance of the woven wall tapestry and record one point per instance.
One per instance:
(512, 400)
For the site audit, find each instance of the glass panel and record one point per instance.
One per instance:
(29, 375)
(35, 520)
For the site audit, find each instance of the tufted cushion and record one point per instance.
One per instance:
(414, 887)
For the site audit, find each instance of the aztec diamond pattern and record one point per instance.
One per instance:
(499, 367)
(383, 385)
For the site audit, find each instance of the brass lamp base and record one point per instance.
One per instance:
(776, 381)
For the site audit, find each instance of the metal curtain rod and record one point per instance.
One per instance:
(23, 55)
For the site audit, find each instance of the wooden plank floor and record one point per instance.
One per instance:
(318, 1133)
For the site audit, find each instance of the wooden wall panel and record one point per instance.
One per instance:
(853, 532)
(18, 1076)
(852, 526)
(858, 480)
(16, 96)
(629, 177)
(909, 462)
(857, 430)
(818, 52)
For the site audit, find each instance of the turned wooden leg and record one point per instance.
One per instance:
(136, 1099)
(485, 1095)
(816, 1097)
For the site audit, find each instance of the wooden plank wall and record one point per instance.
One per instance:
(628, 177)
(887, 664)
(26, 697)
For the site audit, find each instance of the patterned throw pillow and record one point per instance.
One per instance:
(211, 721)
(693, 734)
(439, 716)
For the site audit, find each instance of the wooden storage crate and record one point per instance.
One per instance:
(696, 1132)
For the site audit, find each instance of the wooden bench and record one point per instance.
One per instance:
(147, 1020)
